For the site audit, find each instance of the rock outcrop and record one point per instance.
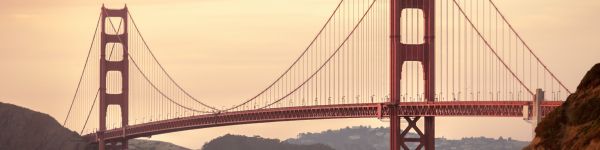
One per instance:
(576, 123)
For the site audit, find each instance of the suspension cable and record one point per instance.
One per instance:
(328, 59)
(83, 71)
(527, 46)
(158, 90)
(90, 112)
(109, 57)
(491, 48)
(294, 63)
(163, 69)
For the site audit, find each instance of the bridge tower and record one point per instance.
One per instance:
(111, 66)
(399, 54)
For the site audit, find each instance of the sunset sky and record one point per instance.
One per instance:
(207, 44)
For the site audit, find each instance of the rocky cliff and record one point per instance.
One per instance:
(576, 123)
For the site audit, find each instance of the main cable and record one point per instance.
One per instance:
(491, 48)
(163, 69)
(293, 64)
(83, 70)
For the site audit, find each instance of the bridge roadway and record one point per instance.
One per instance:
(365, 110)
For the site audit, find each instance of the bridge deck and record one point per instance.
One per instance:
(368, 110)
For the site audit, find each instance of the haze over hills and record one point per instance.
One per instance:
(367, 138)
(352, 138)
(238, 142)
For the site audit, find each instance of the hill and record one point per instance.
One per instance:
(367, 138)
(576, 123)
(238, 142)
(25, 129)
(136, 144)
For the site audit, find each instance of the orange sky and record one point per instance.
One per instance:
(206, 44)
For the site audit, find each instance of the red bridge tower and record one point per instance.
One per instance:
(423, 53)
(112, 66)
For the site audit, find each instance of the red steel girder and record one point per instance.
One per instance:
(368, 110)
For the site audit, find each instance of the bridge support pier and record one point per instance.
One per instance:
(124, 144)
(536, 110)
(429, 142)
(113, 64)
(398, 136)
(101, 144)
(424, 53)
(394, 128)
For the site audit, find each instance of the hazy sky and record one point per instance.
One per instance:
(206, 44)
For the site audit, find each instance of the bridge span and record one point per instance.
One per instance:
(369, 110)
(411, 60)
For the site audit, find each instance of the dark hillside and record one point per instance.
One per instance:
(26, 129)
(576, 123)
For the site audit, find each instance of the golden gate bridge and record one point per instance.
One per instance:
(397, 60)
